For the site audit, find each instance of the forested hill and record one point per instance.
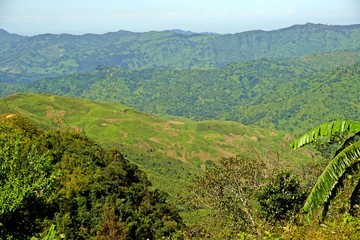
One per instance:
(171, 150)
(51, 54)
(64, 178)
(285, 94)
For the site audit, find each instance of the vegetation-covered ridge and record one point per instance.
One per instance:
(170, 149)
(112, 124)
(89, 192)
(182, 135)
(51, 54)
(292, 94)
(64, 178)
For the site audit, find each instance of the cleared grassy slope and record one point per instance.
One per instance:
(111, 124)
(171, 150)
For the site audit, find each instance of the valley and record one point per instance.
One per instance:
(177, 134)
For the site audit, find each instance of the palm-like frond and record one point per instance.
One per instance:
(51, 233)
(351, 140)
(330, 177)
(326, 129)
(344, 159)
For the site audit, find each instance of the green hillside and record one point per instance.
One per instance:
(171, 150)
(290, 95)
(51, 54)
(178, 135)
(53, 174)
(306, 102)
(63, 178)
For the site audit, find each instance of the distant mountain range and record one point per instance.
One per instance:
(290, 79)
(26, 58)
(292, 94)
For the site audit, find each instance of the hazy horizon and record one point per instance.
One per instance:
(218, 16)
(183, 30)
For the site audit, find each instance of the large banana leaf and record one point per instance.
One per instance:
(326, 129)
(330, 177)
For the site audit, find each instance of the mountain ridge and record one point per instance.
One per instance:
(58, 54)
(170, 149)
(262, 93)
(188, 32)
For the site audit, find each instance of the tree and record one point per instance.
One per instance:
(27, 181)
(229, 189)
(281, 198)
(102, 195)
(64, 178)
(345, 160)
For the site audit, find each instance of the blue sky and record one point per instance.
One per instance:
(31, 17)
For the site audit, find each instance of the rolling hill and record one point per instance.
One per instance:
(65, 179)
(53, 55)
(292, 94)
(175, 103)
(171, 150)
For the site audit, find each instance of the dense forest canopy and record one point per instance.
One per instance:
(64, 178)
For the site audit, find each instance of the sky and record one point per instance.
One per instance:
(32, 17)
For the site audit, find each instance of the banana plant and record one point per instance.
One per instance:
(345, 158)
(51, 233)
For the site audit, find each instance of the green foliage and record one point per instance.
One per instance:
(64, 178)
(329, 145)
(27, 179)
(291, 94)
(281, 199)
(51, 234)
(96, 184)
(171, 150)
(339, 226)
(345, 160)
(326, 129)
(49, 54)
(229, 189)
(61, 177)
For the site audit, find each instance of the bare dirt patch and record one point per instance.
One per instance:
(255, 138)
(155, 139)
(174, 154)
(224, 154)
(51, 113)
(76, 128)
(203, 156)
(176, 122)
(10, 116)
(229, 140)
(288, 138)
(110, 120)
(123, 133)
(171, 153)
(271, 133)
(260, 134)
